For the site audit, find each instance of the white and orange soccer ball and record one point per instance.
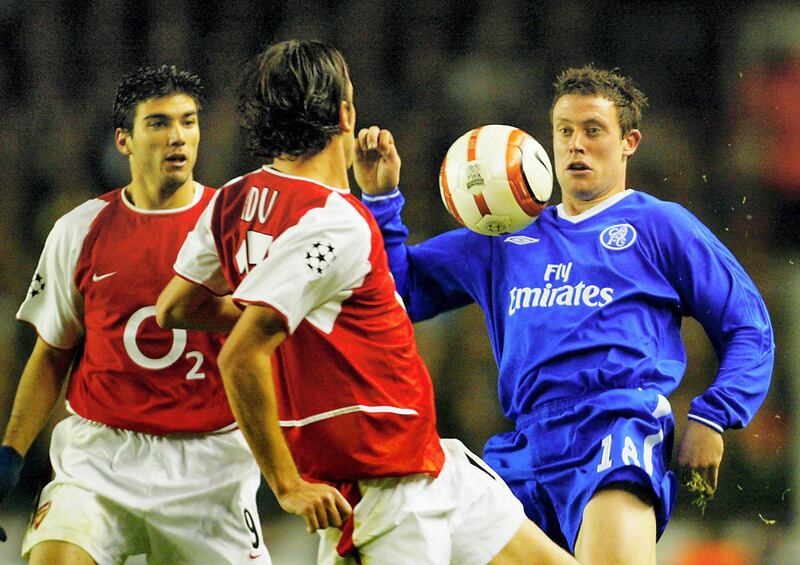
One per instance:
(496, 179)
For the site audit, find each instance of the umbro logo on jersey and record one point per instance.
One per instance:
(618, 237)
(96, 277)
(521, 239)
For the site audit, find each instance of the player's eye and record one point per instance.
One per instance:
(157, 124)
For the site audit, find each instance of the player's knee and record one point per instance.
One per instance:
(54, 552)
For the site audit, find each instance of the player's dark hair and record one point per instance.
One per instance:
(153, 82)
(591, 81)
(289, 98)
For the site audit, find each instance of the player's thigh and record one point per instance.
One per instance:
(78, 517)
(464, 516)
(59, 553)
(488, 516)
(210, 514)
(326, 550)
(531, 545)
(418, 539)
(618, 527)
(214, 532)
(413, 540)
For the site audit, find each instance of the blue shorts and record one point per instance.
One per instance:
(566, 450)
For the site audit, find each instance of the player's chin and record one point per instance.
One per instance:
(176, 179)
(574, 190)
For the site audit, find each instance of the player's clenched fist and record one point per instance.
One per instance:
(377, 163)
(321, 505)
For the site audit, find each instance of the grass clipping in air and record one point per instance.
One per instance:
(699, 487)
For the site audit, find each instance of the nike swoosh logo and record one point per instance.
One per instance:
(256, 556)
(96, 277)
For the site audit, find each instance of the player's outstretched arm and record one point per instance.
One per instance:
(186, 305)
(377, 163)
(247, 374)
(38, 391)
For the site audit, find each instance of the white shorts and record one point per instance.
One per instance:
(181, 499)
(464, 516)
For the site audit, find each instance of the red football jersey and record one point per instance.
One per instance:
(355, 399)
(100, 273)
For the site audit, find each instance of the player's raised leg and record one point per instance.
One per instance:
(531, 545)
(618, 527)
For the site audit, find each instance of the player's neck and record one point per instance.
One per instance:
(575, 206)
(328, 167)
(160, 197)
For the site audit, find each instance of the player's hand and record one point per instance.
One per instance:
(321, 505)
(700, 450)
(10, 468)
(377, 163)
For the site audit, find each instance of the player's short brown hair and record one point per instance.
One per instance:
(591, 81)
(153, 82)
(289, 98)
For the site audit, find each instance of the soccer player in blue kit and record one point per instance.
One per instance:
(584, 311)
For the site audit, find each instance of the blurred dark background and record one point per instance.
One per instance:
(721, 137)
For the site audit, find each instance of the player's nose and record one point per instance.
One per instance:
(575, 143)
(176, 135)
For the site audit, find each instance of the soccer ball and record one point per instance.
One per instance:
(495, 179)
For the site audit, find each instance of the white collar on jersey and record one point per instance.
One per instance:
(276, 172)
(594, 210)
(198, 194)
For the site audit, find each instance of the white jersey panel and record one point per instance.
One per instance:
(53, 304)
(313, 266)
(198, 260)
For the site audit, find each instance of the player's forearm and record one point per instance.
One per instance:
(217, 314)
(738, 391)
(38, 391)
(185, 305)
(251, 394)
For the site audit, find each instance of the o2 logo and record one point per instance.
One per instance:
(175, 352)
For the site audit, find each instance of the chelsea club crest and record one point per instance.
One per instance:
(618, 237)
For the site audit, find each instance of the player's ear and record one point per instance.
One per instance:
(631, 142)
(346, 116)
(122, 139)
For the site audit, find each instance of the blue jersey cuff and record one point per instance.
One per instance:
(394, 193)
(707, 422)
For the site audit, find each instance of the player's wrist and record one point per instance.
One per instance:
(710, 424)
(287, 487)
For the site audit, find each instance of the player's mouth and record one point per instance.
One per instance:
(177, 160)
(578, 167)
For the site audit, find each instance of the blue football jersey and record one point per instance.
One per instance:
(578, 305)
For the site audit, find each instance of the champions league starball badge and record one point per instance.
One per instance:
(319, 257)
(37, 285)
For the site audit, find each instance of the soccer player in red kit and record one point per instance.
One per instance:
(150, 460)
(345, 434)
